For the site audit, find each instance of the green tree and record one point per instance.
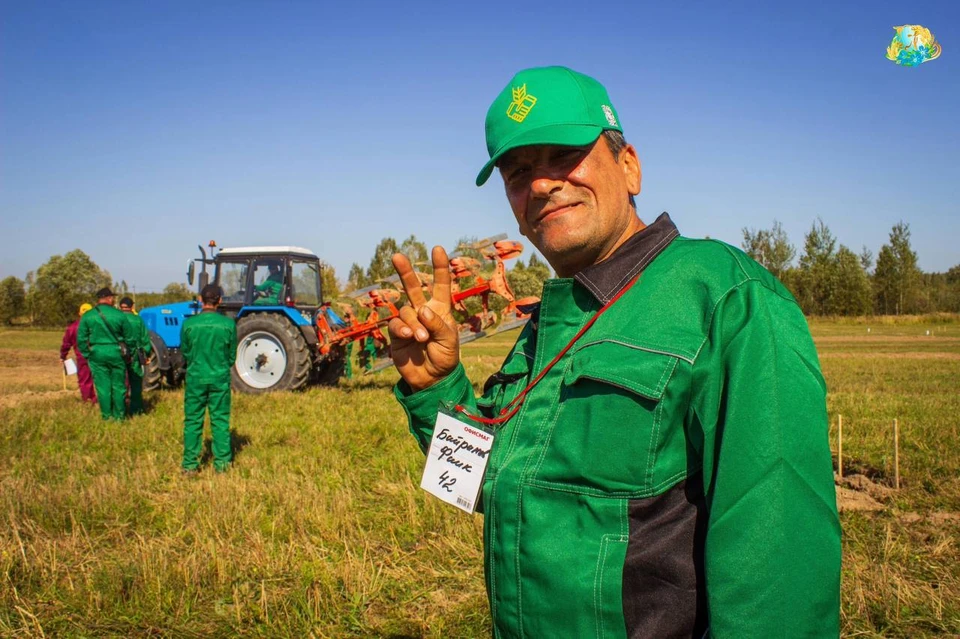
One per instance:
(62, 284)
(934, 293)
(866, 259)
(816, 277)
(416, 252)
(356, 278)
(771, 248)
(329, 284)
(381, 265)
(12, 298)
(527, 280)
(852, 294)
(897, 277)
(952, 302)
(541, 268)
(177, 292)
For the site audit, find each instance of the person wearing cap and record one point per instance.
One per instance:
(84, 380)
(267, 292)
(660, 464)
(208, 343)
(140, 345)
(100, 334)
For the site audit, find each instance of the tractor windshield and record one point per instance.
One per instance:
(305, 289)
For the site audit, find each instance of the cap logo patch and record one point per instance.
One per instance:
(608, 112)
(521, 105)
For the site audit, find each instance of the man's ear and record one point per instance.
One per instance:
(630, 164)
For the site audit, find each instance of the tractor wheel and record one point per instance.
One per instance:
(152, 374)
(272, 355)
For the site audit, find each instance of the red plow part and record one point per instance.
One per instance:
(334, 332)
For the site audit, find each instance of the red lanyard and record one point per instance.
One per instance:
(511, 409)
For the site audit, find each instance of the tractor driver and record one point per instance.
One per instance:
(267, 292)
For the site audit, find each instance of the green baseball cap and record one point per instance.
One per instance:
(547, 105)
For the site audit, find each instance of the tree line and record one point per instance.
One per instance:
(830, 279)
(52, 294)
(827, 279)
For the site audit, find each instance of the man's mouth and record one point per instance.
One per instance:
(554, 211)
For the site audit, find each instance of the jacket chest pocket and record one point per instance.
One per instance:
(613, 420)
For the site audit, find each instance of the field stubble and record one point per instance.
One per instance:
(321, 530)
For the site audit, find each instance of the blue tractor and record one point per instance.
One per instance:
(274, 294)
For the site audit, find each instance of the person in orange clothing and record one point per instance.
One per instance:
(84, 378)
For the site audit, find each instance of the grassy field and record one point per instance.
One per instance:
(321, 530)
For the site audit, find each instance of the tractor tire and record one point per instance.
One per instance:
(272, 355)
(152, 374)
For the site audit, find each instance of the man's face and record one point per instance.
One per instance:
(572, 202)
(126, 309)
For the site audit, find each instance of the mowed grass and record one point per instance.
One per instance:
(321, 528)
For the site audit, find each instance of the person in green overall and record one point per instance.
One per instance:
(661, 464)
(208, 343)
(98, 337)
(140, 344)
(267, 292)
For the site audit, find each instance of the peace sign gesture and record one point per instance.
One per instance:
(424, 342)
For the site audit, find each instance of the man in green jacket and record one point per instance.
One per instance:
(140, 344)
(267, 292)
(208, 343)
(99, 335)
(661, 466)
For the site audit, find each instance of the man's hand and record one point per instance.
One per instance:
(424, 342)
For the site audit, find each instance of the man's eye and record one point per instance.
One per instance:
(517, 173)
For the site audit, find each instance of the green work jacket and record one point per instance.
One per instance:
(208, 343)
(141, 340)
(98, 341)
(271, 288)
(671, 475)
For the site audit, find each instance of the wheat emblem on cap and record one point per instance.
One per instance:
(521, 105)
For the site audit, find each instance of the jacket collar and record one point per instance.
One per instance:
(604, 280)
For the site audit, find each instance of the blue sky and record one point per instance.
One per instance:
(137, 130)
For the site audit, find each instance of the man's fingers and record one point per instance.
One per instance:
(409, 279)
(398, 330)
(439, 330)
(441, 276)
(408, 315)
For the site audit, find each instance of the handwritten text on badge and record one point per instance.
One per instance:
(456, 461)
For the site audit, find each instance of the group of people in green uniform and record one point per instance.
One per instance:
(116, 344)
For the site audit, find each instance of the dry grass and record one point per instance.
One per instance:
(321, 530)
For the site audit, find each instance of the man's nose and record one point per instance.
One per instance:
(544, 184)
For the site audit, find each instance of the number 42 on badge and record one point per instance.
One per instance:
(456, 461)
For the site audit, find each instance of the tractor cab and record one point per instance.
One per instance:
(259, 278)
